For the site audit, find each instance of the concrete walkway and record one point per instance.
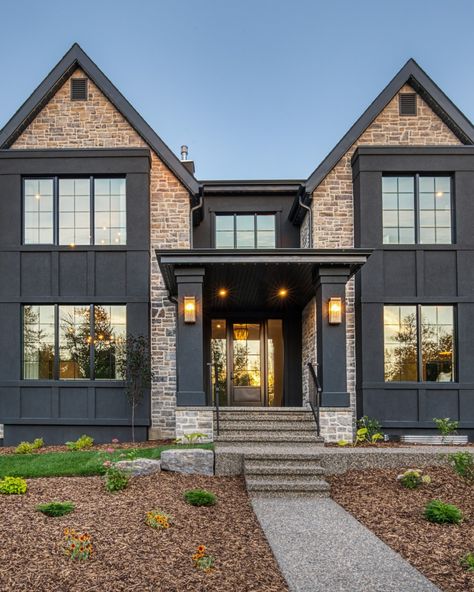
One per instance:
(322, 548)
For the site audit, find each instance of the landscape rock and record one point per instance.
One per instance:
(139, 467)
(195, 461)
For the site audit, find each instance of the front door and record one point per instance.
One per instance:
(248, 354)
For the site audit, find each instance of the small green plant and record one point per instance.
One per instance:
(77, 545)
(54, 509)
(446, 425)
(202, 560)
(413, 478)
(13, 486)
(158, 519)
(115, 479)
(193, 438)
(368, 431)
(440, 513)
(468, 561)
(29, 447)
(463, 465)
(81, 443)
(342, 443)
(200, 497)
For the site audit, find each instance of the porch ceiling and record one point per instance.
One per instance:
(253, 278)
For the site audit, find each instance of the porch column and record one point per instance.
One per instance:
(330, 282)
(189, 339)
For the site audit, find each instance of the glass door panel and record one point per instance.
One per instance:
(246, 363)
(219, 357)
(275, 361)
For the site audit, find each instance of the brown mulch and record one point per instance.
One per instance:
(129, 555)
(395, 515)
(119, 446)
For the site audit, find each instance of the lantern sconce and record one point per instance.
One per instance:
(189, 309)
(335, 311)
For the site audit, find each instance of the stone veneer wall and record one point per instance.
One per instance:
(96, 123)
(194, 419)
(333, 219)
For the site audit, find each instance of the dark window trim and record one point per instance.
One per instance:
(416, 179)
(56, 179)
(419, 352)
(275, 213)
(56, 377)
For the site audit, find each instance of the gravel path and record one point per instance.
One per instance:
(321, 547)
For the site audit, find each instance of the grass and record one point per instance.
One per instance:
(70, 464)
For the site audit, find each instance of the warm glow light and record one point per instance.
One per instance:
(282, 292)
(222, 292)
(37, 196)
(189, 309)
(335, 311)
(439, 194)
(72, 245)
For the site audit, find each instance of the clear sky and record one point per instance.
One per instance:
(256, 88)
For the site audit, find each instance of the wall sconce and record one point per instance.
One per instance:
(189, 309)
(335, 311)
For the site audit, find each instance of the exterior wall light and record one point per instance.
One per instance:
(335, 311)
(222, 292)
(189, 309)
(282, 292)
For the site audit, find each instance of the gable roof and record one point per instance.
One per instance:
(429, 91)
(73, 59)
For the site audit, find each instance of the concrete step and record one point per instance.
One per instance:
(271, 437)
(264, 416)
(294, 455)
(266, 426)
(284, 486)
(254, 468)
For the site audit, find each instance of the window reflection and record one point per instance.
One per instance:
(110, 329)
(74, 342)
(275, 362)
(219, 357)
(246, 355)
(398, 195)
(401, 343)
(245, 231)
(38, 211)
(110, 212)
(38, 342)
(437, 339)
(74, 212)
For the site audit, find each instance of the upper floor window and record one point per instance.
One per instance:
(71, 341)
(245, 231)
(417, 209)
(419, 343)
(75, 211)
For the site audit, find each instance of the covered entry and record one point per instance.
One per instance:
(241, 311)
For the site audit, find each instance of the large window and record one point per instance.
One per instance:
(72, 342)
(245, 231)
(417, 209)
(75, 211)
(419, 343)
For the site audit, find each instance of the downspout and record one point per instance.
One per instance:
(310, 220)
(191, 216)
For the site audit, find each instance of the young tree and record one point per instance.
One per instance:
(135, 368)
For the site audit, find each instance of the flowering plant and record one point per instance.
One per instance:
(78, 546)
(202, 560)
(413, 478)
(115, 478)
(158, 519)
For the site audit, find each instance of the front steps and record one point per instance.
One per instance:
(277, 448)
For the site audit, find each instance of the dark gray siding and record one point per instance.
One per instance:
(418, 274)
(31, 274)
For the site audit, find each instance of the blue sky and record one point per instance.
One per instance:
(256, 88)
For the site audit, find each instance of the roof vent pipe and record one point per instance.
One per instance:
(184, 152)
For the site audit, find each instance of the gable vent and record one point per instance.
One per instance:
(78, 89)
(407, 103)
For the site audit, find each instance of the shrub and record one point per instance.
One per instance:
(200, 497)
(202, 560)
(81, 443)
(54, 509)
(368, 430)
(28, 447)
(446, 426)
(468, 561)
(192, 438)
(13, 486)
(158, 519)
(463, 465)
(115, 479)
(78, 546)
(441, 513)
(413, 478)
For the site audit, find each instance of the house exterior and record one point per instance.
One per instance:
(365, 269)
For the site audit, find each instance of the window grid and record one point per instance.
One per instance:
(74, 211)
(245, 231)
(417, 209)
(82, 342)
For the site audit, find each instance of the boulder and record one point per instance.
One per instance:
(139, 467)
(196, 461)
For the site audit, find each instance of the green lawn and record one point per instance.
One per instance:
(69, 464)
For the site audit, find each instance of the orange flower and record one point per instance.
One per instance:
(201, 549)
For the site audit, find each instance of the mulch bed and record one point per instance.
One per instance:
(394, 514)
(96, 447)
(129, 555)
